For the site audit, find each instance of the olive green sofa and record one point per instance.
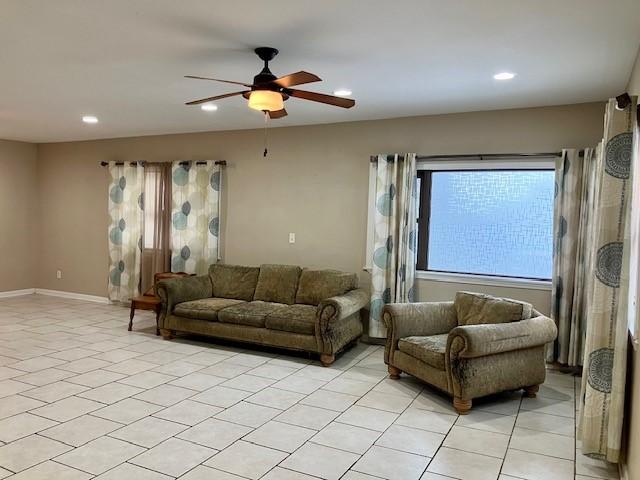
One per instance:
(474, 346)
(283, 306)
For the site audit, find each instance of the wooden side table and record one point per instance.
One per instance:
(150, 300)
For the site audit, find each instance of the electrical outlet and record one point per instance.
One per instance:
(58, 274)
(292, 238)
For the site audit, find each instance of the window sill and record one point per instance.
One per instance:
(484, 280)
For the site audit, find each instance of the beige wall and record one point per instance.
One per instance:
(314, 183)
(633, 462)
(18, 215)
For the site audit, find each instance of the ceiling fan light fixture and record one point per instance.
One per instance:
(342, 92)
(266, 100)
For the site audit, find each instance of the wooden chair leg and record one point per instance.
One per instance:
(394, 372)
(166, 334)
(157, 321)
(131, 314)
(461, 406)
(531, 392)
(327, 360)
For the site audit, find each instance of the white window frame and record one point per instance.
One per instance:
(504, 163)
(633, 315)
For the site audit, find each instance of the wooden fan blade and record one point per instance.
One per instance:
(322, 98)
(277, 113)
(217, 97)
(218, 80)
(297, 78)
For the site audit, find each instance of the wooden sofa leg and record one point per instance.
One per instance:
(461, 406)
(530, 392)
(394, 372)
(166, 334)
(327, 360)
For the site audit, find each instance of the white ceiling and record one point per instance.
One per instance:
(124, 60)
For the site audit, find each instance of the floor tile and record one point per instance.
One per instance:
(384, 401)
(506, 403)
(491, 422)
(546, 423)
(434, 401)
(391, 464)
(55, 391)
(127, 411)
(95, 378)
(349, 386)
(284, 474)
(22, 425)
(197, 381)
(248, 414)
(368, 418)
(592, 467)
(215, 433)
(330, 400)
(249, 359)
(300, 384)
(165, 395)
(15, 404)
(307, 416)
(346, 437)
(320, 461)
(100, 455)
(147, 379)
(29, 451)
(246, 459)
(37, 363)
(426, 420)
(276, 398)
(72, 354)
(67, 408)
(472, 440)
(44, 377)
(178, 369)
(224, 370)
(543, 443)
(173, 457)
(221, 396)
(188, 412)
(161, 357)
(274, 372)
(51, 471)
(110, 393)
(364, 374)
(131, 366)
(206, 359)
(11, 387)
(80, 430)
(148, 432)
(465, 465)
(116, 356)
(202, 472)
(550, 406)
(281, 436)
(405, 386)
(127, 471)
(84, 365)
(411, 440)
(247, 382)
(531, 466)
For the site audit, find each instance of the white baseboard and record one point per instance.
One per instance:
(74, 296)
(17, 293)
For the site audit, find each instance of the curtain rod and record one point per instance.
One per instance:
(481, 156)
(218, 162)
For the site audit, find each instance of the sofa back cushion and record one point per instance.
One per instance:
(277, 283)
(478, 308)
(318, 285)
(234, 281)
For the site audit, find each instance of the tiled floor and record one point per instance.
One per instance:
(80, 398)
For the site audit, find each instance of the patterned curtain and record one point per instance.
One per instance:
(126, 203)
(394, 242)
(573, 230)
(605, 369)
(195, 216)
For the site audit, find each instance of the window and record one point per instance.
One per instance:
(494, 221)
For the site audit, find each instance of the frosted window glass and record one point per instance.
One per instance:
(492, 223)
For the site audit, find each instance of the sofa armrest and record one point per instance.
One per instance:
(183, 289)
(409, 319)
(341, 306)
(470, 341)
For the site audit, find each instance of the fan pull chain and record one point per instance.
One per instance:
(266, 119)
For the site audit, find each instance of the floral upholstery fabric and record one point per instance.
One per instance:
(477, 308)
(234, 281)
(430, 350)
(277, 283)
(318, 285)
(293, 318)
(204, 308)
(252, 314)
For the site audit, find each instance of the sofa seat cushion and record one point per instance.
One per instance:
(293, 318)
(317, 285)
(431, 350)
(277, 283)
(477, 308)
(252, 314)
(234, 281)
(204, 308)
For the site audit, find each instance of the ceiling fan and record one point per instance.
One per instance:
(268, 93)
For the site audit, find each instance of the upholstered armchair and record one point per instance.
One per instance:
(472, 347)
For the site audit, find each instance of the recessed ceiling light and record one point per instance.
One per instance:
(342, 92)
(90, 119)
(209, 107)
(504, 76)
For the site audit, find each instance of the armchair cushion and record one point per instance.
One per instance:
(204, 308)
(252, 314)
(318, 285)
(431, 350)
(293, 318)
(477, 308)
(277, 283)
(234, 281)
